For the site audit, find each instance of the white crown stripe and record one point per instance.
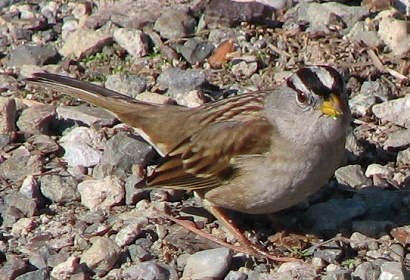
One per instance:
(324, 76)
(299, 84)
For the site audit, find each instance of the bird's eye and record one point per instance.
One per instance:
(303, 98)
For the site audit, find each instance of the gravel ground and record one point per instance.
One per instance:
(69, 208)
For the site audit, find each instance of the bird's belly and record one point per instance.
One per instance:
(275, 186)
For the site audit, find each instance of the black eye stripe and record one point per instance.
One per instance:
(308, 78)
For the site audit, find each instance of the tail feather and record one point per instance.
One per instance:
(147, 118)
(94, 94)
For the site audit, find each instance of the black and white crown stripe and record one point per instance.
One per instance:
(321, 80)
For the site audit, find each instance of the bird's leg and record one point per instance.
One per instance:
(221, 216)
(246, 244)
(246, 250)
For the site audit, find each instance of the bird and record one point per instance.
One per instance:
(256, 153)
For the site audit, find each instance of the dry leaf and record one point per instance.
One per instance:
(218, 58)
(377, 5)
(401, 235)
(286, 241)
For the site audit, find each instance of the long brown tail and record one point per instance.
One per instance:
(145, 117)
(96, 95)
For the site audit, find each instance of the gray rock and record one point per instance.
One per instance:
(19, 166)
(360, 33)
(33, 55)
(380, 207)
(352, 175)
(139, 254)
(55, 258)
(373, 228)
(12, 214)
(212, 263)
(393, 270)
(360, 105)
(230, 13)
(39, 274)
(92, 41)
(190, 99)
(245, 67)
(126, 13)
(65, 269)
(69, 26)
(165, 195)
(132, 193)
(81, 9)
(102, 255)
(37, 119)
(101, 194)
(81, 146)
(123, 151)
(376, 88)
(150, 270)
(30, 188)
(13, 267)
(174, 24)
(91, 116)
(194, 50)
(367, 271)
(135, 42)
(318, 15)
(401, 178)
(156, 98)
(59, 189)
(339, 274)
(377, 169)
(180, 81)
(96, 229)
(402, 5)
(398, 139)
(43, 143)
(130, 85)
(393, 32)
(94, 217)
(361, 241)
(39, 257)
(354, 147)
(5, 3)
(6, 139)
(289, 270)
(25, 204)
(235, 275)
(20, 34)
(168, 53)
(8, 115)
(403, 157)
(102, 170)
(396, 111)
(379, 198)
(331, 252)
(135, 14)
(397, 252)
(217, 36)
(129, 233)
(331, 217)
(7, 82)
(381, 175)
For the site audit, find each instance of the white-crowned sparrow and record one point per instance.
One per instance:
(256, 153)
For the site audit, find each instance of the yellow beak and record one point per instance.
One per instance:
(331, 106)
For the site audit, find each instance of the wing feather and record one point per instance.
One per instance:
(207, 158)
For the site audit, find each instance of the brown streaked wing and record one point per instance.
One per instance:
(206, 159)
(239, 108)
